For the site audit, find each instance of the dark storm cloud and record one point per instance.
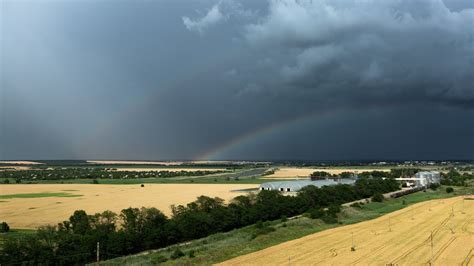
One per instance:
(168, 80)
(371, 51)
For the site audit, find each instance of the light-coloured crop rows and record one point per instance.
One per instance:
(438, 231)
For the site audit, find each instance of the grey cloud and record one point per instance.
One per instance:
(129, 80)
(213, 16)
(219, 12)
(371, 49)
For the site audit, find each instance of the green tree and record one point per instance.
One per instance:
(377, 197)
(80, 222)
(4, 228)
(319, 175)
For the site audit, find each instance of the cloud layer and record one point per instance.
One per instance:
(335, 79)
(371, 51)
(213, 16)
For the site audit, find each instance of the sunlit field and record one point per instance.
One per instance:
(437, 231)
(30, 206)
(296, 172)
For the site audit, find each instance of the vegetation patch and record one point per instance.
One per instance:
(39, 195)
(72, 173)
(15, 234)
(223, 246)
(148, 228)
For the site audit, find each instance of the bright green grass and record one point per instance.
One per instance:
(15, 233)
(39, 195)
(223, 246)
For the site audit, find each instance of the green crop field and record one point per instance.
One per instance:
(39, 195)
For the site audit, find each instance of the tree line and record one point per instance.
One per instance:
(133, 230)
(454, 178)
(393, 173)
(95, 173)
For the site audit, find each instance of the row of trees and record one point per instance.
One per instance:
(74, 241)
(454, 178)
(394, 173)
(95, 173)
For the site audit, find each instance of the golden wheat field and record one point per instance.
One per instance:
(439, 232)
(295, 172)
(34, 212)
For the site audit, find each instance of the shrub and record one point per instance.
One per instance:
(356, 205)
(177, 253)
(6, 181)
(329, 219)
(333, 210)
(283, 219)
(158, 258)
(95, 181)
(191, 254)
(4, 228)
(262, 231)
(316, 213)
(377, 197)
(434, 186)
(449, 190)
(259, 224)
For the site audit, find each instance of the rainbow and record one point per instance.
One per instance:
(218, 152)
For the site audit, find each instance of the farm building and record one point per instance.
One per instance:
(421, 179)
(296, 185)
(430, 177)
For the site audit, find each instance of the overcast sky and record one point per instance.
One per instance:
(232, 79)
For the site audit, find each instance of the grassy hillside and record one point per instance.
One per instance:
(223, 246)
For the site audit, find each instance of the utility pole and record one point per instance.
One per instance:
(98, 252)
(352, 247)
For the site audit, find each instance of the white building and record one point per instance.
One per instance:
(430, 177)
(296, 185)
(422, 179)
